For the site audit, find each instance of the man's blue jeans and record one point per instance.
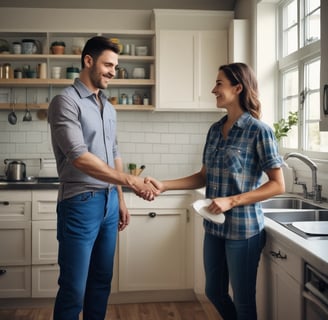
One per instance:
(237, 260)
(87, 231)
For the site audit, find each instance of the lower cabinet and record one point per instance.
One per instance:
(45, 270)
(279, 292)
(15, 244)
(152, 251)
(155, 252)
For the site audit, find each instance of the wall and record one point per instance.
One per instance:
(169, 144)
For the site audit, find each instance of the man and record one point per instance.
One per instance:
(91, 206)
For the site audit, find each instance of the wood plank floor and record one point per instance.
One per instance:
(193, 310)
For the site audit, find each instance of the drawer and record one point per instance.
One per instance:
(15, 205)
(15, 282)
(15, 242)
(283, 255)
(44, 205)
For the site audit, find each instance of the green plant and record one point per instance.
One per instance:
(283, 126)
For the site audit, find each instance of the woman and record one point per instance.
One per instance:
(238, 149)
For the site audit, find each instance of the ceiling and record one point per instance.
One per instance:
(124, 4)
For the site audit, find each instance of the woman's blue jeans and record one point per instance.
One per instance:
(238, 261)
(87, 229)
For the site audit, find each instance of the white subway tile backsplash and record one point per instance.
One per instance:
(169, 144)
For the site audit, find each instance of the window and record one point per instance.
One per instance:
(299, 69)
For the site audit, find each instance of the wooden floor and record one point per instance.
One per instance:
(193, 310)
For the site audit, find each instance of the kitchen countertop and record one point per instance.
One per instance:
(315, 252)
(36, 184)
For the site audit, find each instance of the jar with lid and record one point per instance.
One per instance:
(124, 98)
(72, 72)
(136, 98)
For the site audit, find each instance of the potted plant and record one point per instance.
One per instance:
(58, 47)
(283, 126)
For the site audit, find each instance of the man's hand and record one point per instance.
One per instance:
(124, 216)
(145, 190)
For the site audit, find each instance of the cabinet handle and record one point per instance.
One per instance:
(152, 214)
(278, 255)
(5, 203)
(325, 99)
(2, 272)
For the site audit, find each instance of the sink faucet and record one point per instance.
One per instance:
(316, 188)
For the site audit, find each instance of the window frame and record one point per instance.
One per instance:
(304, 54)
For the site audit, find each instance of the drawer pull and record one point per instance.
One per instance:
(278, 255)
(2, 272)
(5, 203)
(152, 214)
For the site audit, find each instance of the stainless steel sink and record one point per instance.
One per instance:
(292, 211)
(289, 218)
(289, 203)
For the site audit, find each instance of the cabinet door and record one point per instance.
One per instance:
(45, 279)
(44, 242)
(188, 65)
(213, 52)
(152, 251)
(15, 243)
(176, 87)
(279, 283)
(15, 282)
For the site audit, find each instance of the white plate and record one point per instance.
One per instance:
(312, 227)
(200, 207)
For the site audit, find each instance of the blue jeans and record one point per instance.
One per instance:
(237, 260)
(86, 231)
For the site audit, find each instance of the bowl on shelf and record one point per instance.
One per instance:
(141, 50)
(138, 73)
(58, 47)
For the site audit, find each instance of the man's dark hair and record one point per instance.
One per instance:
(95, 46)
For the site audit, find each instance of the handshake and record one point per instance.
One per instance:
(147, 188)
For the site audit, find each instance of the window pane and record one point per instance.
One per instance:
(290, 14)
(311, 5)
(290, 27)
(312, 27)
(290, 103)
(291, 42)
(313, 106)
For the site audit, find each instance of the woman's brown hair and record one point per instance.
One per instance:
(241, 73)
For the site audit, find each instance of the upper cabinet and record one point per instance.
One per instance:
(187, 68)
(191, 45)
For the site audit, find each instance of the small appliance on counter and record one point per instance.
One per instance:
(15, 170)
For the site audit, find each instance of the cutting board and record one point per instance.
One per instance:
(312, 227)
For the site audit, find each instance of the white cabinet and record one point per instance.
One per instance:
(15, 244)
(240, 41)
(152, 252)
(191, 45)
(155, 249)
(45, 270)
(279, 292)
(188, 63)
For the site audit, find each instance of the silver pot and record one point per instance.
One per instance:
(16, 170)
